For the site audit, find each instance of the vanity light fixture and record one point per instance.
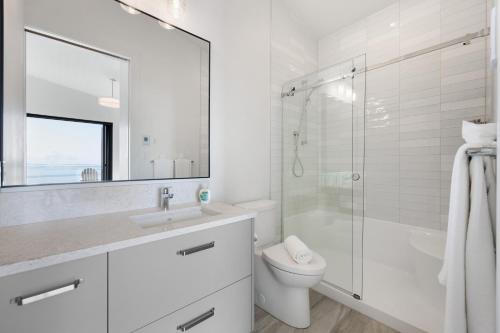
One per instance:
(176, 7)
(130, 10)
(110, 102)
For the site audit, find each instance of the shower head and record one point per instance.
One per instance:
(290, 93)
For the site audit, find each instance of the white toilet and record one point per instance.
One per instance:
(281, 285)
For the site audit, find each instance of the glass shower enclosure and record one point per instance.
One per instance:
(323, 164)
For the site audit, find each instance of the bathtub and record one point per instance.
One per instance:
(427, 261)
(400, 264)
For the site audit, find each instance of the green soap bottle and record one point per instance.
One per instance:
(204, 196)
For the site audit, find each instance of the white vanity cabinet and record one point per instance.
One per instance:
(225, 311)
(194, 276)
(68, 297)
(155, 281)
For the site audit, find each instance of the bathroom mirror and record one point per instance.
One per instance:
(98, 91)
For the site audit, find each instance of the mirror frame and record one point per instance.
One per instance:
(2, 78)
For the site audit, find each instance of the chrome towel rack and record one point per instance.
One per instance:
(482, 151)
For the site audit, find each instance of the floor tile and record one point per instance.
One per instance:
(327, 316)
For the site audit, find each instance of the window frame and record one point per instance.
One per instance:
(106, 142)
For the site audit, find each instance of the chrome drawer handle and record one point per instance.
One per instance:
(195, 249)
(196, 321)
(25, 300)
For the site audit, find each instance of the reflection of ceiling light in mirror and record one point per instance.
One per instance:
(165, 25)
(129, 9)
(176, 8)
(110, 102)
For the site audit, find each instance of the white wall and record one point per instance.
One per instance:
(247, 129)
(239, 32)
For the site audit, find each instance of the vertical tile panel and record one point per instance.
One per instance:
(463, 86)
(419, 24)
(343, 45)
(382, 144)
(460, 17)
(419, 146)
(383, 35)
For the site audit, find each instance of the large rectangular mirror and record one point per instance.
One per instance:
(97, 91)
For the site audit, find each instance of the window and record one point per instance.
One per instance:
(63, 150)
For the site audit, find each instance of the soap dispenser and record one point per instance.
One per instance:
(204, 195)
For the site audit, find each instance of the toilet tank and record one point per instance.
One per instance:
(267, 225)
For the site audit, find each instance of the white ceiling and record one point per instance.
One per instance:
(326, 16)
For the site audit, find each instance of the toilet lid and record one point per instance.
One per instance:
(278, 257)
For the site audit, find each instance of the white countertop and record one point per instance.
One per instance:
(38, 245)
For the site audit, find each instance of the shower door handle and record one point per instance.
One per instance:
(356, 176)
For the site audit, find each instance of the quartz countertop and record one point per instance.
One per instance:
(32, 246)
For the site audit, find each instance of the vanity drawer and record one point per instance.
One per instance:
(69, 297)
(228, 310)
(150, 281)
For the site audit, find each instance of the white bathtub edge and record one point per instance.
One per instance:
(349, 301)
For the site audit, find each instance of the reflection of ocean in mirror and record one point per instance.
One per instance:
(53, 174)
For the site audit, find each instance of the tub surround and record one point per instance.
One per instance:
(38, 245)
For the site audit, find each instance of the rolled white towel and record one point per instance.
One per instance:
(298, 251)
(479, 134)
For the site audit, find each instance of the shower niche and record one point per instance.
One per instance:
(323, 166)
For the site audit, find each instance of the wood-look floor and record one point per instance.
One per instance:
(327, 316)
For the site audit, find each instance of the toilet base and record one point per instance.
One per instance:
(288, 304)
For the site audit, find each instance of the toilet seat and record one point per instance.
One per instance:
(278, 257)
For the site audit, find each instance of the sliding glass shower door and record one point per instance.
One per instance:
(323, 147)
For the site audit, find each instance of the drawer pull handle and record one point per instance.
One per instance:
(25, 300)
(196, 321)
(195, 249)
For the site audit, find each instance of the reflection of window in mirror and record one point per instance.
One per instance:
(76, 106)
(62, 150)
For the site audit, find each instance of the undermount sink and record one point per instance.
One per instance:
(170, 216)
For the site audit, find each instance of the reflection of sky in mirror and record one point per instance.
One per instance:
(63, 142)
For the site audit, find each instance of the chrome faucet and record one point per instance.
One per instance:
(165, 197)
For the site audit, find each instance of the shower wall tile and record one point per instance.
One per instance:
(420, 128)
(415, 109)
(343, 45)
(419, 24)
(294, 53)
(336, 154)
(459, 17)
(382, 35)
(382, 144)
(463, 85)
